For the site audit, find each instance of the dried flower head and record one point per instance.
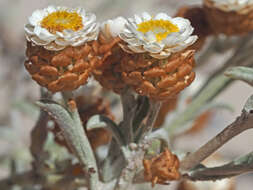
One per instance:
(158, 75)
(59, 53)
(162, 168)
(159, 35)
(242, 6)
(230, 17)
(158, 79)
(108, 72)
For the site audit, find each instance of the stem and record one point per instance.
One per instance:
(234, 168)
(78, 140)
(129, 106)
(147, 128)
(134, 161)
(242, 123)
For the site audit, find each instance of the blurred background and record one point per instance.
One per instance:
(18, 91)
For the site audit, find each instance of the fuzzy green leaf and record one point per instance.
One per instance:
(241, 73)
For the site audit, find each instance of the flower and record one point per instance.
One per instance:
(61, 47)
(112, 28)
(242, 6)
(229, 17)
(54, 28)
(159, 35)
(108, 72)
(162, 168)
(130, 57)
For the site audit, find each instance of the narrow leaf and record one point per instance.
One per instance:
(100, 121)
(241, 73)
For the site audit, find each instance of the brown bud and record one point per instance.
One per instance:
(162, 168)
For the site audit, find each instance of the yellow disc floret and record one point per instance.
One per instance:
(61, 20)
(161, 28)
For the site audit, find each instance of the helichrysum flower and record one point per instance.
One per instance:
(54, 28)
(149, 55)
(158, 35)
(109, 72)
(61, 47)
(234, 5)
(230, 17)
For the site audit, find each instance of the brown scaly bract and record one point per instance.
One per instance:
(162, 168)
(198, 19)
(64, 70)
(108, 71)
(229, 23)
(158, 79)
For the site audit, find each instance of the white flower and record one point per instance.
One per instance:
(54, 28)
(160, 35)
(242, 6)
(112, 28)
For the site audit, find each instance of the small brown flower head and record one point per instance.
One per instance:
(162, 168)
(60, 51)
(159, 79)
(108, 71)
(199, 22)
(157, 65)
(229, 17)
(87, 108)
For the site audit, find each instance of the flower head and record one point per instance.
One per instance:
(162, 168)
(158, 35)
(54, 28)
(112, 28)
(233, 5)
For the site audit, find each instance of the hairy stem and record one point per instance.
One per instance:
(242, 123)
(234, 168)
(79, 142)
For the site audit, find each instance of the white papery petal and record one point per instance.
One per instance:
(36, 17)
(233, 5)
(162, 16)
(29, 29)
(137, 49)
(62, 42)
(54, 47)
(59, 40)
(80, 41)
(50, 9)
(146, 16)
(38, 41)
(153, 48)
(138, 19)
(117, 25)
(44, 34)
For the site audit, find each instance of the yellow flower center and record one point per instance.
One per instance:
(161, 28)
(61, 20)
